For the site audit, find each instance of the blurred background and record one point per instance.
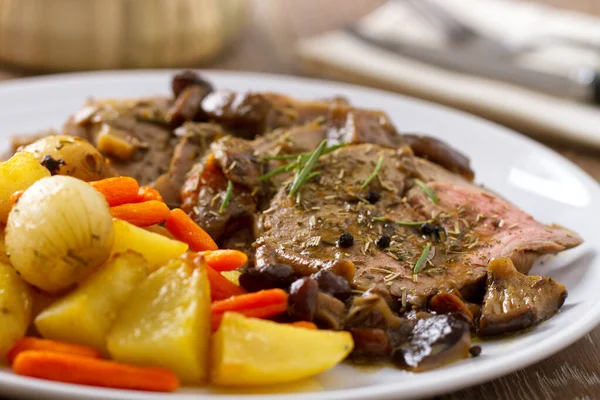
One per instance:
(532, 65)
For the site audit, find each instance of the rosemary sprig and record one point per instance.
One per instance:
(374, 173)
(428, 191)
(304, 174)
(410, 223)
(301, 159)
(227, 198)
(421, 262)
(401, 223)
(304, 155)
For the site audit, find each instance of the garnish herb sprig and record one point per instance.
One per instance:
(422, 261)
(374, 173)
(227, 197)
(401, 223)
(304, 174)
(428, 191)
(301, 159)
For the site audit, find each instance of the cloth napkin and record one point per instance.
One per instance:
(339, 55)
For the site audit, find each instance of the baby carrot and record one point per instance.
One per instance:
(262, 304)
(91, 371)
(186, 230)
(119, 190)
(148, 193)
(33, 343)
(220, 287)
(304, 324)
(142, 214)
(15, 197)
(224, 260)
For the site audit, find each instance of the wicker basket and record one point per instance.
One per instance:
(105, 34)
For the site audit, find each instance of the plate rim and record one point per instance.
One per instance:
(445, 383)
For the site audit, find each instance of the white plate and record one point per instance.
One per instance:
(530, 175)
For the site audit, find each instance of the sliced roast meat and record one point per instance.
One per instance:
(194, 141)
(305, 230)
(441, 153)
(435, 342)
(203, 195)
(489, 227)
(514, 301)
(132, 134)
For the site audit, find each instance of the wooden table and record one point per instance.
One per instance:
(572, 374)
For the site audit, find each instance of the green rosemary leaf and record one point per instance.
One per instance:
(421, 262)
(227, 198)
(374, 173)
(303, 173)
(428, 191)
(410, 223)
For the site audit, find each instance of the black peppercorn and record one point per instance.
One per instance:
(427, 228)
(346, 240)
(373, 197)
(475, 351)
(383, 242)
(52, 165)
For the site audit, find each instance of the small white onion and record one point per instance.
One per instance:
(58, 232)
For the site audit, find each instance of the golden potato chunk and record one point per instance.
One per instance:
(156, 249)
(18, 173)
(85, 315)
(167, 323)
(15, 308)
(249, 351)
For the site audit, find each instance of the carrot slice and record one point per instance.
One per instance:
(33, 343)
(262, 304)
(148, 193)
(220, 287)
(186, 230)
(304, 324)
(15, 197)
(91, 371)
(142, 214)
(119, 190)
(224, 260)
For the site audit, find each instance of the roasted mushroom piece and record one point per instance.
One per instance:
(435, 342)
(440, 153)
(307, 303)
(371, 311)
(514, 301)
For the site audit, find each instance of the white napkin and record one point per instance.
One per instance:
(339, 55)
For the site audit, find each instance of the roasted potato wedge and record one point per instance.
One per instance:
(250, 352)
(15, 308)
(85, 315)
(18, 173)
(156, 249)
(167, 322)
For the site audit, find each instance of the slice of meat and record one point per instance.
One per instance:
(194, 142)
(514, 301)
(306, 230)
(490, 227)
(134, 134)
(203, 194)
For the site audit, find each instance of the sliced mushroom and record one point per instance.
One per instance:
(371, 311)
(435, 342)
(330, 312)
(446, 303)
(370, 344)
(514, 301)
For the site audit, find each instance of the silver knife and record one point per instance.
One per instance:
(487, 58)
